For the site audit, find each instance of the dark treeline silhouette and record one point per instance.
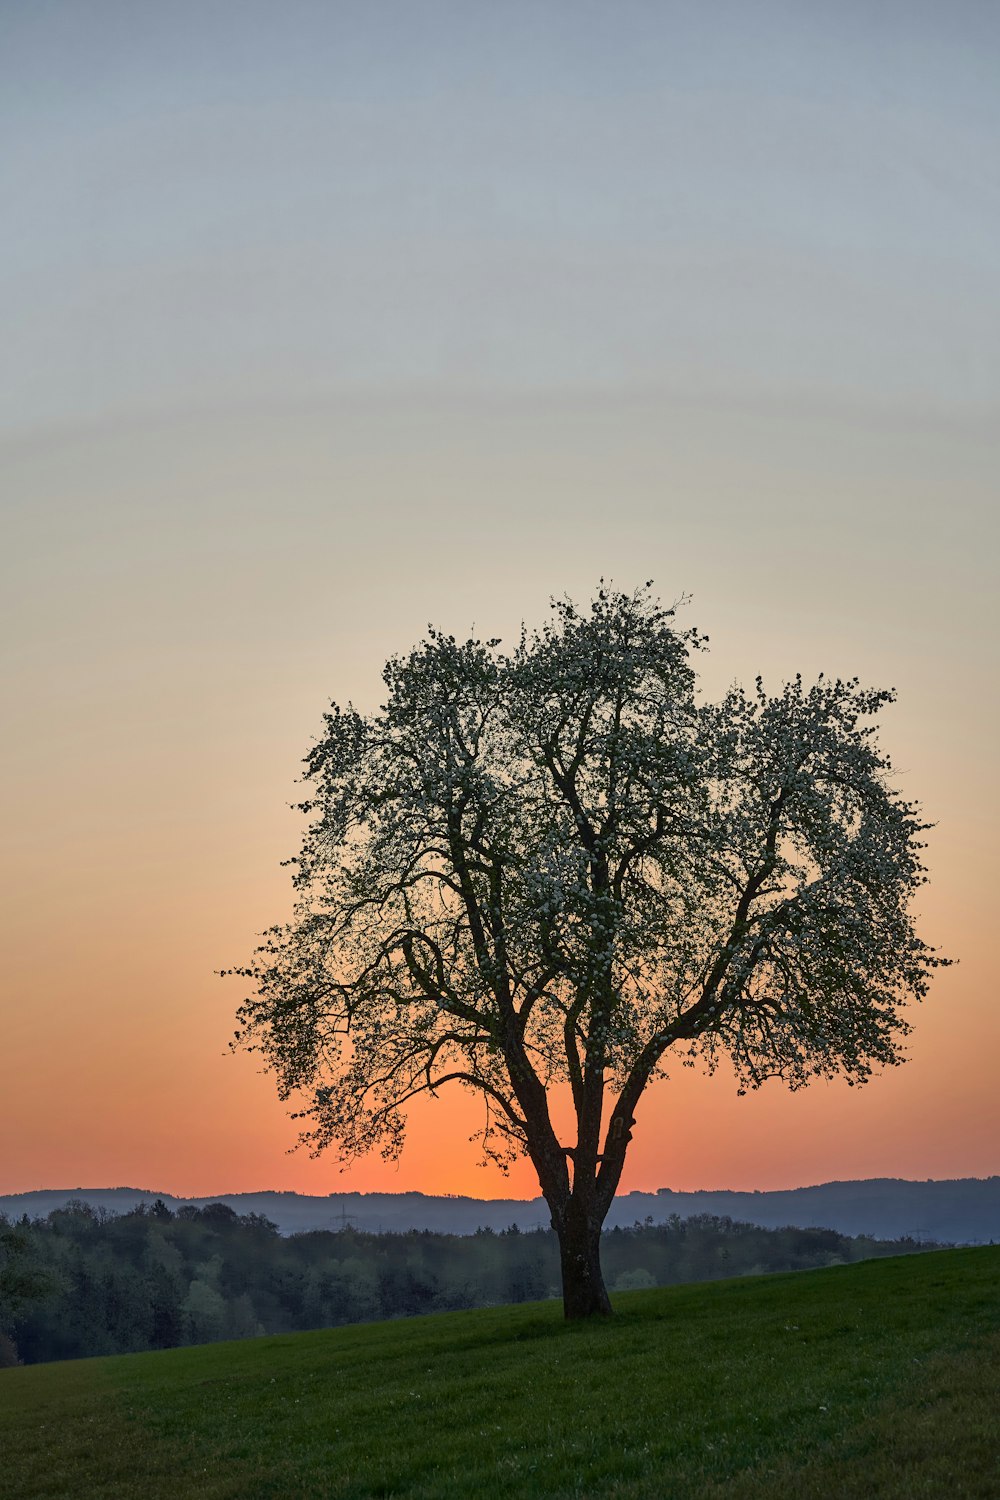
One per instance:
(83, 1281)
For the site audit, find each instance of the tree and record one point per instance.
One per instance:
(557, 867)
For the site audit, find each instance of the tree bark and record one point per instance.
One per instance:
(584, 1292)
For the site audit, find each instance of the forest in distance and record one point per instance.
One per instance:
(83, 1281)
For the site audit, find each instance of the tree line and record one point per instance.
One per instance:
(83, 1281)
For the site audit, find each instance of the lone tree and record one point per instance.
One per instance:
(555, 866)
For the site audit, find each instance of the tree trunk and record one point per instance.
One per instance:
(584, 1292)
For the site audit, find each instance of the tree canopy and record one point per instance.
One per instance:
(556, 865)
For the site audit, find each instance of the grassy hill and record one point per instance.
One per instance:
(879, 1379)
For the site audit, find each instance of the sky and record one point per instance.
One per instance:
(321, 322)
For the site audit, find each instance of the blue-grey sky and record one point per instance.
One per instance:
(214, 202)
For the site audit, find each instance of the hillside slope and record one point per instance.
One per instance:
(880, 1379)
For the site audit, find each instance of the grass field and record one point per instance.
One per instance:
(879, 1379)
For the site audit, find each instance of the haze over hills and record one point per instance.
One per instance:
(960, 1211)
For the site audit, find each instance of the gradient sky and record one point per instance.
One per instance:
(321, 321)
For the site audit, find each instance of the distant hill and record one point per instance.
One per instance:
(964, 1211)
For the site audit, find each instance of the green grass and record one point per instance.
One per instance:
(878, 1379)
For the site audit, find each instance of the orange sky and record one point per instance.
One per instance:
(178, 661)
(319, 328)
